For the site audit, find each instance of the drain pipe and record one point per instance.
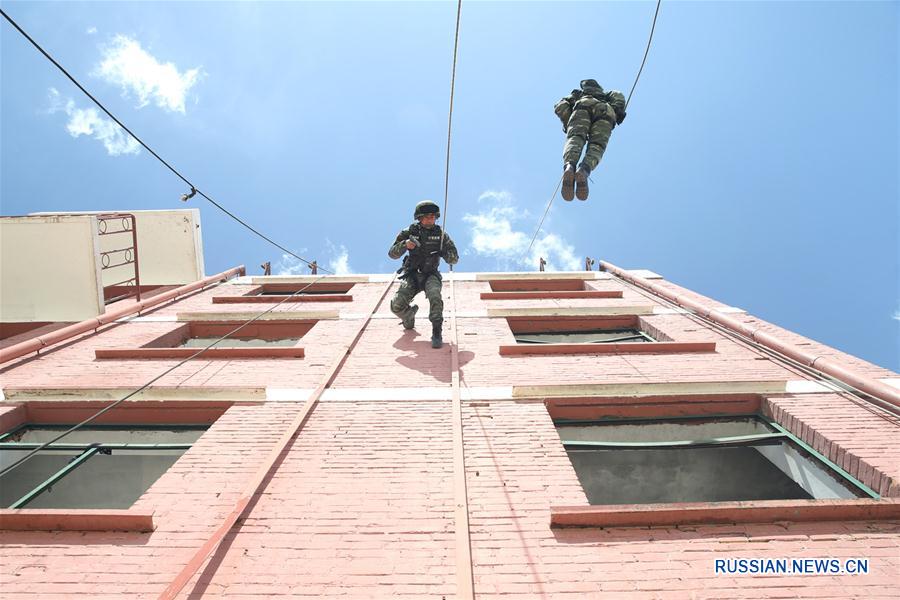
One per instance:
(54, 337)
(870, 386)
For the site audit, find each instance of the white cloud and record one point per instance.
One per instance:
(91, 30)
(87, 121)
(288, 265)
(494, 235)
(126, 64)
(340, 264)
(896, 315)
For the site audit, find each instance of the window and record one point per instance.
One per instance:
(594, 336)
(522, 289)
(261, 339)
(275, 292)
(94, 467)
(286, 289)
(698, 460)
(537, 285)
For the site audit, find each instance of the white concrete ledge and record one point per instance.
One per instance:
(242, 280)
(282, 279)
(153, 393)
(288, 394)
(805, 386)
(662, 310)
(891, 381)
(285, 315)
(649, 389)
(570, 311)
(512, 276)
(646, 274)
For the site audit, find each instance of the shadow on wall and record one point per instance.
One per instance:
(423, 358)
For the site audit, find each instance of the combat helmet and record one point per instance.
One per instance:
(591, 85)
(427, 207)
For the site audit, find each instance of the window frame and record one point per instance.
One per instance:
(331, 292)
(87, 451)
(163, 346)
(662, 344)
(780, 434)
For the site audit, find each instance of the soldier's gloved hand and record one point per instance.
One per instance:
(412, 242)
(620, 118)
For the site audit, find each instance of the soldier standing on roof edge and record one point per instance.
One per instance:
(420, 268)
(588, 115)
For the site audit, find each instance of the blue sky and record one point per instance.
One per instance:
(757, 165)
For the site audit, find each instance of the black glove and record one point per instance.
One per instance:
(620, 118)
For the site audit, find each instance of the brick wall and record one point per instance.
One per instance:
(361, 504)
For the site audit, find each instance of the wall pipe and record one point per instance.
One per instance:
(863, 383)
(54, 337)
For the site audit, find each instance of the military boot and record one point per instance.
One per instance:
(568, 182)
(581, 182)
(436, 341)
(409, 317)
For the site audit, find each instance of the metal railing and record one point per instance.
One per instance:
(117, 224)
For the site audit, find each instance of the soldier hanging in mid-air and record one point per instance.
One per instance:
(588, 116)
(422, 240)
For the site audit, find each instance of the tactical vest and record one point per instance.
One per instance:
(424, 258)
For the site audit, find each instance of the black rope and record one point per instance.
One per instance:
(450, 122)
(194, 189)
(646, 52)
(643, 62)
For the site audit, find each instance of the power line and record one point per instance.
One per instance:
(194, 189)
(646, 52)
(450, 121)
(108, 408)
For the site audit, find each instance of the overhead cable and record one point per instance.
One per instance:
(194, 189)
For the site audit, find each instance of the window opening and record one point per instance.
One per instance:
(699, 460)
(94, 467)
(316, 289)
(537, 285)
(262, 334)
(594, 336)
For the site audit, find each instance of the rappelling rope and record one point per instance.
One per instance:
(640, 70)
(450, 122)
(646, 52)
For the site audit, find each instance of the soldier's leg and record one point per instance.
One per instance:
(577, 130)
(597, 140)
(400, 302)
(433, 287)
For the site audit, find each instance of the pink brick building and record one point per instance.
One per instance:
(579, 435)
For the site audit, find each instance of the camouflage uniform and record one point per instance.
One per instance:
(588, 116)
(420, 269)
